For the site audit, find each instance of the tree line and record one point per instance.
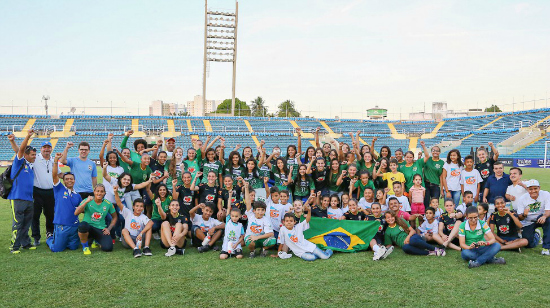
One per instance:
(258, 108)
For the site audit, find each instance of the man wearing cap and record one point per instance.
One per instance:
(43, 189)
(534, 209)
(170, 147)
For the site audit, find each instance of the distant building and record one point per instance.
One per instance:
(160, 108)
(377, 113)
(440, 111)
(197, 108)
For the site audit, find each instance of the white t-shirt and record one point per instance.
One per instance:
(233, 232)
(438, 213)
(461, 208)
(404, 206)
(257, 226)
(205, 225)
(453, 176)
(295, 240)
(134, 224)
(516, 191)
(470, 179)
(427, 227)
(334, 213)
(275, 212)
(536, 207)
(124, 196)
(114, 172)
(364, 204)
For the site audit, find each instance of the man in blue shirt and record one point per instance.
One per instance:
(84, 169)
(21, 195)
(496, 185)
(65, 233)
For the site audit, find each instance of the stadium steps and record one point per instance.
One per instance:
(171, 133)
(256, 141)
(413, 143)
(135, 128)
(66, 130)
(524, 138)
(482, 128)
(331, 133)
(248, 126)
(540, 121)
(207, 125)
(23, 132)
(434, 131)
(394, 133)
(190, 128)
(304, 135)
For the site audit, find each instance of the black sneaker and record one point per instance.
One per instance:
(15, 251)
(48, 235)
(180, 251)
(29, 247)
(36, 242)
(252, 254)
(264, 253)
(137, 253)
(204, 248)
(147, 251)
(473, 264)
(498, 261)
(216, 248)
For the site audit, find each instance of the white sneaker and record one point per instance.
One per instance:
(378, 254)
(545, 252)
(284, 255)
(156, 236)
(171, 251)
(388, 252)
(540, 236)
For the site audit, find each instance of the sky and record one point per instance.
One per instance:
(331, 57)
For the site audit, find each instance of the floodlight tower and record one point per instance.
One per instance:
(220, 43)
(46, 98)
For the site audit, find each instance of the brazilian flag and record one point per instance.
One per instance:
(341, 235)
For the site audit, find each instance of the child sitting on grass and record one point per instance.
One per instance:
(205, 228)
(429, 229)
(259, 233)
(292, 236)
(136, 224)
(233, 236)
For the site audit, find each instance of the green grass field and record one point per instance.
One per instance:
(42, 278)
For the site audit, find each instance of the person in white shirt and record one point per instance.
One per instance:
(404, 204)
(205, 228)
(366, 202)
(259, 232)
(470, 178)
(275, 210)
(136, 225)
(233, 238)
(292, 236)
(517, 189)
(534, 209)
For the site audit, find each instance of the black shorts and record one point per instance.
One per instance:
(238, 252)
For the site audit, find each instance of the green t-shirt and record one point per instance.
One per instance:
(94, 214)
(409, 172)
(433, 170)
(332, 183)
(254, 182)
(395, 235)
(125, 166)
(139, 175)
(401, 165)
(280, 178)
(362, 187)
(193, 166)
(264, 171)
(361, 166)
(302, 188)
(134, 156)
(292, 162)
(164, 204)
(215, 166)
(476, 235)
(234, 172)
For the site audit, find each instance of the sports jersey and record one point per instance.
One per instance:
(208, 193)
(193, 166)
(165, 207)
(391, 177)
(485, 170)
(395, 235)
(208, 167)
(253, 180)
(232, 233)
(383, 224)
(234, 172)
(320, 179)
(94, 214)
(65, 203)
(303, 188)
(134, 224)
(294, 239)
(334, 213)
(205, 225)
(476, 235)
(280, 178)
(429, 228)
(358, 216)
(505, 225)
(83, 170)
(139, 174)
(174, 220)
(257, 226)
(235, 197)
(448, 223)
(333, 178)
(292, 162)
(186, 199)
(264, 171)
(317, 211)
(113, 172)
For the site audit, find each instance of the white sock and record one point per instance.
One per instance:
(375, 248)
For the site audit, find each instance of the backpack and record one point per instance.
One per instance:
(6, 183)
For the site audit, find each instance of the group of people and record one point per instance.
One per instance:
(164, 193)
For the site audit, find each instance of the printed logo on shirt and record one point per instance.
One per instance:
(479, 232)
(256, 228)
(204, 228)
(380, 228)
(96, 216)
(135, 225)
(293, 238)
(485, 172)
(455, 172)
(320, 179)
(187, 199)
(415, 168)
(504, 229)
(470, 180)
(273, 213)
(191, 170)
(450, 227)
(90, 167)
(437, 166)
(210, 197)
(232, 236)
(534, 207)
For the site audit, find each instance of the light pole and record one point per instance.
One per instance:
(46, 98)
(222, 26)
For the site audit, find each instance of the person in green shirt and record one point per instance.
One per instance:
(93, 226)
(280, 173)
(400, 161)
(363, 182)
(401, 234)
(165, 198)
(333, 175)
(176, 168)
(141, 171)
(302, 185)
(139, 146)
(366, 163)
(193, 161)
(432, 174)
(478, 243)
(210, 163)
(412, 167)
(234, 166)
